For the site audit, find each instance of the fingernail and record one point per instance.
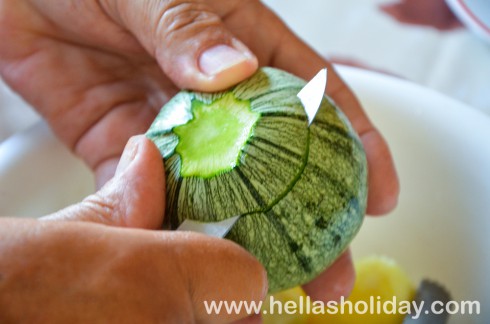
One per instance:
(220, 58)
(129, 154)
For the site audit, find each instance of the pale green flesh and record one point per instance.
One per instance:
(301, 190)
(212, 141)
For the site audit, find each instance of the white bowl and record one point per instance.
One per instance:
(441, 227)
(475, 14)
(440, 230)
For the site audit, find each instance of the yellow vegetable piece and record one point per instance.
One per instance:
(379, 279)
(293, 296)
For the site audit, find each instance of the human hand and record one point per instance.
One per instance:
(59, 271)
(98, 71)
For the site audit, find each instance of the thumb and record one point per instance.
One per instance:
(188, 39)
(217, 271)
(135, 197)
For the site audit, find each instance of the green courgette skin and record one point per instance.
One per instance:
(301, 190)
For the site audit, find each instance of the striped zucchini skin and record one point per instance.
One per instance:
(301, 190)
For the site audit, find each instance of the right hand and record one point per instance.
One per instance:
(61, 270)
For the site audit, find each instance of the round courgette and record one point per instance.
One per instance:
(300, 190)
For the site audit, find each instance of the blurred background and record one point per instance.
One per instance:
(418, 40)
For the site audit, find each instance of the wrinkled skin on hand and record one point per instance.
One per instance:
(98, 72)
(113, 267)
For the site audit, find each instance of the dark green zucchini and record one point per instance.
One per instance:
(248, 151)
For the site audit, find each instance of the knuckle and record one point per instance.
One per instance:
(180, 16)
(101, 208)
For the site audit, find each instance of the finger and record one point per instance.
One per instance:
(135, 197)
(218, 270)
(384, 187)
(252, 319)
(335, 282)
(189, 41)
(296, 57)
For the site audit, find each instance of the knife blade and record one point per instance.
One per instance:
(215, 229)
(427, 293)
(311, 96)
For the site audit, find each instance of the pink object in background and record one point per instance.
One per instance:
(430, 13)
